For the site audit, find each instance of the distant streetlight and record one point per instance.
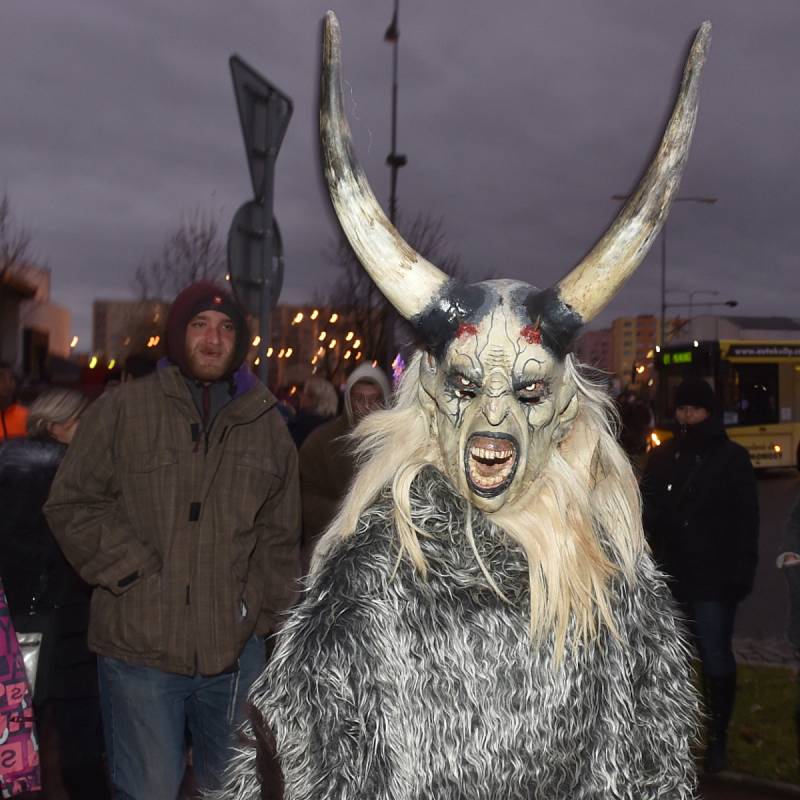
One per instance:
(685, 199)
(690, 304)
(74, 342)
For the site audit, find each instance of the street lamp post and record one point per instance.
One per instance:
(395, 160)
(686, 199)
(712, 292)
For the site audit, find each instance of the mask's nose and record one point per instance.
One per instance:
(497, 399)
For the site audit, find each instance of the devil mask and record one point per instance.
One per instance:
(494, 380)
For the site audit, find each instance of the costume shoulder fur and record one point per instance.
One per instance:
(390, 686)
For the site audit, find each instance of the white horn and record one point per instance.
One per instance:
(599, 276)
(408, 281)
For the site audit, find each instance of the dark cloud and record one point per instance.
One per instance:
(520, 120)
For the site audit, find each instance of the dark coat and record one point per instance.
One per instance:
(327, 466)
(35, 574)
(190, 540)
(303, 424)
(701, 513)
(44, 592)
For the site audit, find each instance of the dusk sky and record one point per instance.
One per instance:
(520, 120)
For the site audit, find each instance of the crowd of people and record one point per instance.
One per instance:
(155, 537)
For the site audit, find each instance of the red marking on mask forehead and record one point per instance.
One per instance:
(531, 334)
(466, 329)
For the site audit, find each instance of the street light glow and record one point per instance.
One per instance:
(74, 342)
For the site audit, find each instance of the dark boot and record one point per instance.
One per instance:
(720, 694)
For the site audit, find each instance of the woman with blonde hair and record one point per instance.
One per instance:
(54, 415)
(46, 594)
(319, 402)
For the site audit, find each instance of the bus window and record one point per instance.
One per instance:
(750, 394)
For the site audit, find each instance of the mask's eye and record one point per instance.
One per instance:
(533, 393)
(463, 388)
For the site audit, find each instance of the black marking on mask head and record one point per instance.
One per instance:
(558, 323)
(456, 303)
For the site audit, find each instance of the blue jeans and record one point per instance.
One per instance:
(711, 626)
(146, 713)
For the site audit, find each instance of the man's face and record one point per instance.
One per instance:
(7, 387)
(690, 415)
(210, 344)
(365, 396)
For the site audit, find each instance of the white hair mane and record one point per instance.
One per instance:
(579, 523)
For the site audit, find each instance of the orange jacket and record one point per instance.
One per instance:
(13, 421)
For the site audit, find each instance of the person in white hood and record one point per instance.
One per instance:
(327, 462)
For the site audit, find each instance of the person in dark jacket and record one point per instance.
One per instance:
(12, 414)
(701, 517)
(788, 561)
(327, 460)
(318, 403)
(45, 594)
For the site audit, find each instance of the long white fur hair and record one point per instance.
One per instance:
(579, 523)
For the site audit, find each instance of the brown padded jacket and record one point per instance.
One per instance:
(192, 543)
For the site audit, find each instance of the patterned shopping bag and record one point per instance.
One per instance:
(19, 747)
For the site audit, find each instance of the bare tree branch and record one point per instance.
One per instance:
(15, 240)
(356, 293)
(193, 252)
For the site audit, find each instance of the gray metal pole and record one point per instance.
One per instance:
(663, 340)
(266, 230)
(392, 157)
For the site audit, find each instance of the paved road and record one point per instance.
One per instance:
(763, 615)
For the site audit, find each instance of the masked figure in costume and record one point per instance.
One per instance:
(483, 620)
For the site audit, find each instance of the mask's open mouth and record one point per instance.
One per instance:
(490, 462)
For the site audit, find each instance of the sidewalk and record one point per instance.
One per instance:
(777, 652)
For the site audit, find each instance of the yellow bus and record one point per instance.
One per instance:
(757, 384)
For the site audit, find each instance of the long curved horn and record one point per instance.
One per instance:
(595, 281)
(408, 281)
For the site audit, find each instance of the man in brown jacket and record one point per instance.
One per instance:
(179, 501)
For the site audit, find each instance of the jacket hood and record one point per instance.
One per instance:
(366, 372)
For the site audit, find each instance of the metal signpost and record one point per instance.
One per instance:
(255, 251)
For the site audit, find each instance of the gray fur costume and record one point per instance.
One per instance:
(389, 686)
